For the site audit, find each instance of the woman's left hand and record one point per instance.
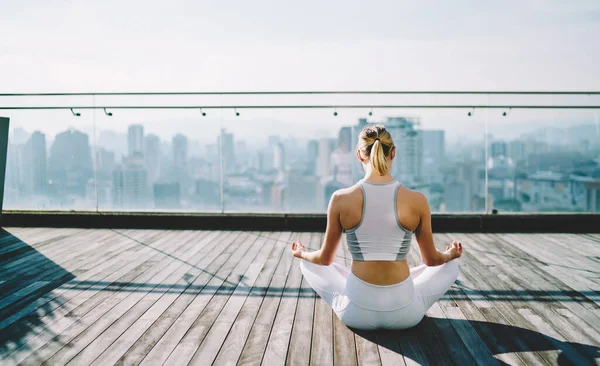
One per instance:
(298, 249)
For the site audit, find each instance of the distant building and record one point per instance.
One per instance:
(180, 160)
(434, 145)
(408, 165)
(226, 151)
(105, 163)
(323, 159)
(70, 163)
(517, 151)
(301, 192)
(208, 193)
(34, 169)
(498, 149)
(279, 157)
(152, 157)
(313, 155)
(457, 196)
(166, 195)
(130, 184)
(135, 139)
(592, 199)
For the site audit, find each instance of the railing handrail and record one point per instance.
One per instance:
(363, 92)
(331, 106)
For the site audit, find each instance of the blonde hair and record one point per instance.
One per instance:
(375, 142)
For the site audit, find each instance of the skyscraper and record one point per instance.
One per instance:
(279, 157)
(498, 149)
(227, 151)
(166, 195)
(152, 156)
(130, 184)
(70, 163)
(135, 139)
(180, 148)
(180, 159)
(434, 145)
(408, 165)
(313, 154)
(35, 163)
(323, 159)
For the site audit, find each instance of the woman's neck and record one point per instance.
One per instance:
(376, 178)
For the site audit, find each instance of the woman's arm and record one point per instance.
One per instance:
(326, 255)
(429, 254)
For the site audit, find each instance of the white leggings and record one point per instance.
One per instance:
(362, 305)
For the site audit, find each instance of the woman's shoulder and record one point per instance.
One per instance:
(411, 196)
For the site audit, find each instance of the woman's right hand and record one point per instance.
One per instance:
(454, 249)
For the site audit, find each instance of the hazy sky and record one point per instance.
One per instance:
(109, 45)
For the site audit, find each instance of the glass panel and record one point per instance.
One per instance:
(544, 160)
(159, 160)
(221, 159)
(50, 164)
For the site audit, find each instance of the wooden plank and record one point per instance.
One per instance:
(473, 342)
(96, 304)
(162, 336)
(264, 323)
(54, 301)
(279, 340)
(181, 281)
(103, 343)
(508, 311)
(233, 345)
(344, 344)
(184, 352)
(451, 340)
(52, 274)
(475, 308)
(79, 335)
(322, 335)
(552, 286)
(210, 346)
(209, 285)
(301, 336)
(540, 317)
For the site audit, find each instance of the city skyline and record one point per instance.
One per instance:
(544, 170)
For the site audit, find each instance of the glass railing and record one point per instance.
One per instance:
(277, 152)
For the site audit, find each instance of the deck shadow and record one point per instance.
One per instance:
(498, 338)
(27, 279)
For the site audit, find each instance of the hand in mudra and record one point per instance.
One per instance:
(298, 248)
(454, 249)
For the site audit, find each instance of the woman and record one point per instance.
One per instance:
(379, 216)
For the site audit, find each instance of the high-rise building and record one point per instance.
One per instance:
(180, 159)
(434, 145)
(313, 155)
(326, 146)
(166, 195)
(457, 197)
(35, 163)
(301, 192)
(152, 157)
(498, 149)
(279, 157)
(135, 138)
(408, 165)
(70, 163)
(130, 184)
(226, 150)
(105, 164)
(517, 151)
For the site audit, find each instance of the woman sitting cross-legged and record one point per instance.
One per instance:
(379, 216)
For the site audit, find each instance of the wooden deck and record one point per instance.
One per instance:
(104, 297)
